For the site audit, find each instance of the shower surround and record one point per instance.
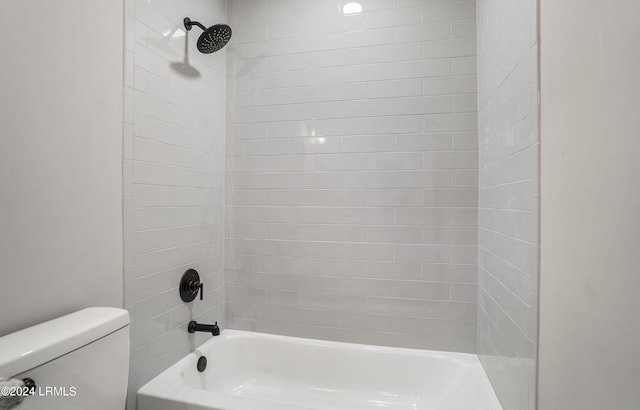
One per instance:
(339, 198)
(352, 172)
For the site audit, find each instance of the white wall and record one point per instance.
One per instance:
(352, 152)
(589, 305)
(61, 159)
(174, 175)
(508, 200)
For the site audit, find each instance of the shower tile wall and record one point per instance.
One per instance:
(508, 202)
(174, 176)
(352, 171)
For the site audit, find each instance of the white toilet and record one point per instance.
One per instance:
(79, 361)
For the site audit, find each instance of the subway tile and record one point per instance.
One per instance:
(366, 216)
(423, 68)
(424, 216)
(451, 273)
(464, 292)
(315, 317)
(424, 142)
(368, 143)
(394, 161)
(465, 179)
(288, 163)
(291, 29)
(465, 141)
(394, 270)
(396, 124)
(346, 39)
(317, 232)
(341, 197)
(450, 11)
(456, 84)
(456, 311)
(341, 162)
(426, 105)
(422, 290)
(423, 179)
(354, 91)
(393, 17)
(451, 122)
(257, 280)
(346, 109)
(297, 95)
(361, 321)
(463, 29)
(320, 215)
(329, 180)
(394, 88)
(393, 53)
(465, 217)
(394, 306)
(341, 126)
(421, 32)
(461, 47)
(464, 65)
(278, 63)
(423, 253)
(342, 75)
(394, 234)
(366, 287)
(423, 326)
(335, 24)
(453, 198)
(315, 145)
(450, 235)
(465, 103)
(451, 160)
(394, 198)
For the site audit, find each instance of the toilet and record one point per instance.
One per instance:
(78, 362)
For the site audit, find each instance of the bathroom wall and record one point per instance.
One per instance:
(508, 200)
(352, 171)
(61, 159)
(589, 322)
(173, 172)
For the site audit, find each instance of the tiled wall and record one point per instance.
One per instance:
(508, 201)
(352, 171)
(174, 176)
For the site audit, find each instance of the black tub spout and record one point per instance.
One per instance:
(198, 327)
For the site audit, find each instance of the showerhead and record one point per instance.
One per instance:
(213, 38)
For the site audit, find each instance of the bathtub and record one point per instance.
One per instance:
(254, 371)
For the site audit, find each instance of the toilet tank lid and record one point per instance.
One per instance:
(36, 345)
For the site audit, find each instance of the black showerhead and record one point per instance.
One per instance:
(213, 38)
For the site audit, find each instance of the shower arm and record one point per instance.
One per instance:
(188, 24)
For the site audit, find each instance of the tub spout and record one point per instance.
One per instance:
(198, 327)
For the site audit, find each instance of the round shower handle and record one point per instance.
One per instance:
(190, 286)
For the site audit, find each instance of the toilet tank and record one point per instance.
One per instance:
(78, 362)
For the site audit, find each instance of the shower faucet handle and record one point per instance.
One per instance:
(196, 287)
(190, 286)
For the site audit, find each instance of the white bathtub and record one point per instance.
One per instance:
(254, 371)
